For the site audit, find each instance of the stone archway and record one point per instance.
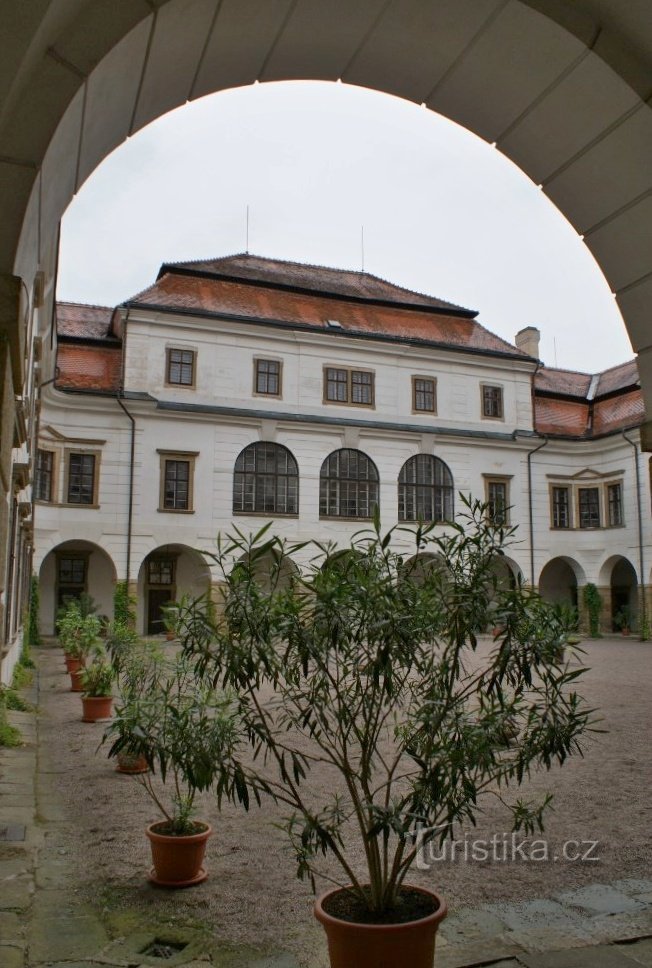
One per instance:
(618, 579)
(69, 570)
(562, 93)
(166, 575)
(559, 580)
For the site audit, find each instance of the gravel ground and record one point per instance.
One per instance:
(252, 895)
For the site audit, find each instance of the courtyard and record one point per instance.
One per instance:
(75, 889)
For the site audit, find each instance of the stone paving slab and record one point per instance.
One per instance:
(475, 953)
(11, 957)
(64, 938)
(542, 924)
(600, 899)
(639, 951)
(600, 956)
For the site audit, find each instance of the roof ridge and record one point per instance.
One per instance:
(83, 305)
(316, 265)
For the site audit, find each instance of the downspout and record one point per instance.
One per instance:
(640, 523)
(132, 452)
(530, 455)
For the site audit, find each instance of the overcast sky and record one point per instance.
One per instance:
(443, 212)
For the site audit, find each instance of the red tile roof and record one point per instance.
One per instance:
(82, 367)
(321, 279)
(560, 417)
(205, 296)
(616, 413)
(618, 378)
(82, 321)
(566, 382)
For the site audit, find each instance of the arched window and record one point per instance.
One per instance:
(425, 490)
(266, 479)
(348, 485)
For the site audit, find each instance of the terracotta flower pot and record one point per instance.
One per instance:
(96, 708)
(72, 663)
(388, 945)
(75, 681)
(177, 860)
(131, 764)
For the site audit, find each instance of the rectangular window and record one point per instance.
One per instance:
(180, 369)
(267, 378)
(615, 504)
(589, 507)
(176, 486)
(43, 481)
(492, 402)
(497, 502)
(81, 479)
(423, 395)
(355, 387)
(560, 507)
(176, 489)
(71, 578)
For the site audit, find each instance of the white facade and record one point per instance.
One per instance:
(209, 423)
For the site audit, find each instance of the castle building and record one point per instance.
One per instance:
(241, 390)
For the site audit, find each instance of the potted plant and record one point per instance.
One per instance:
(129, 655)
(97, 688)
(183, 730)
(78, 635)
(373, 669)
(622, 620)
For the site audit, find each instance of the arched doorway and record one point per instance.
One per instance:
(619, 575)
(558, 581)
(167, 574)
(273, 573)
(72, 569)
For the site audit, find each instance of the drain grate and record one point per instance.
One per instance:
(12, 832)
(159, 948)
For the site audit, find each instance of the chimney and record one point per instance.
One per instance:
(527, 340)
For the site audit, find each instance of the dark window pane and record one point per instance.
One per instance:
(615, 501)
(560, 507)
(43, 482)
(176, 486)
(425, 490)
(266, 479)
(337, 385)
(81, 478)
(348, 485)
(424, 395)
(589, 505)
(497, 501)
(181, 364)
(268, 376)
(362, 388)
(492, 401)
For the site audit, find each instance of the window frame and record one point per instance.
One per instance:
(489, 481)
(413, 490)
(609, 523)
(501, 397)
(73, 555)
(179, 384)
(81, 452)
(178, 456)
(427, 379)
(588, 488)
(349, 371)
(265, 393)
(325, 491)
(567, 488)
(257, 477)
(54, 457)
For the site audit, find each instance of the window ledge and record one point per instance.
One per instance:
(176, 510)
(265, 514)
(87, 507)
